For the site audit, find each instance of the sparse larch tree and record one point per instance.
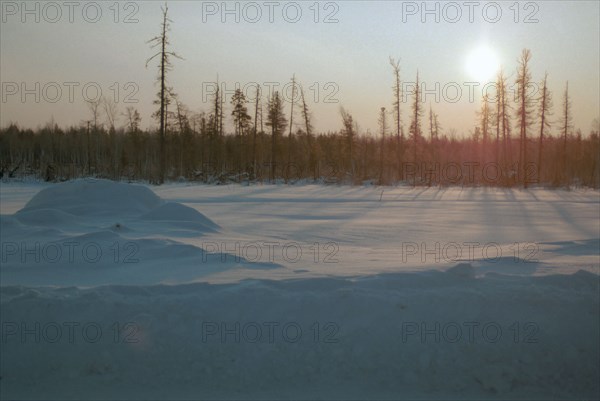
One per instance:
(348, 133)
(254, 133)
(312, 164)
(291, 132)
(502, 121)
(162, 42)
(277, 121)
(94, 108)
(383, 129)
(133, 119)
(397, 88)
(524, 110)
(434, 134)
(415, 125)
(485, 118)
(567, 125)
(241, 120)
(545, 105)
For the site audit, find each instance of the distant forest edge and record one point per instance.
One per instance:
(519, 139)
(204, 156)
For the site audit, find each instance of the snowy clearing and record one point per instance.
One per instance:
(121, 291)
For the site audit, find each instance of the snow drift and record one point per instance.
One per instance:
(399, 336)
(91, 198)
(96, 232)
(108, 292)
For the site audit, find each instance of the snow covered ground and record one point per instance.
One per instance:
(121, 291)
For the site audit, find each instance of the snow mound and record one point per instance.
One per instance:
(176, 212)
(465, 270)
(92, 197)
(65, 204)
(45, 217)
(96, 232)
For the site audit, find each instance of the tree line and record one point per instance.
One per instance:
(516, 140)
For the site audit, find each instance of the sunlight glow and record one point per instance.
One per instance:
(482, 64)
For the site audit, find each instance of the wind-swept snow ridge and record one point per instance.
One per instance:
(402, 336)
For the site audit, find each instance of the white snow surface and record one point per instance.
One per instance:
(125, 291)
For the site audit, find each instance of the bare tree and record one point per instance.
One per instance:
(217, 109)
(222, 113)
(89, 150)
(94, 108)
(415, 125)
(133, 119)
(305, 114)
(434, 130)
(502, 120)
(567, 125)
(309, 135)
(256, 106)
(430, 123)
(545, 104)
(383, 129)
(397, 88)
(484, 121)
(215, 129)
(497, 120)
(290, 133)
(111, 112)
(436, 126)
(162, 42)
(524, 111)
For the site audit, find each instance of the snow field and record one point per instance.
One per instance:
(376, 306)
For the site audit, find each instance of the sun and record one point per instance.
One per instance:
(482, 64)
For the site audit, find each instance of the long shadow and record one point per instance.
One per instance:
(562, 211)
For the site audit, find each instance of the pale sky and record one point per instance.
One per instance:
(344, 61)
